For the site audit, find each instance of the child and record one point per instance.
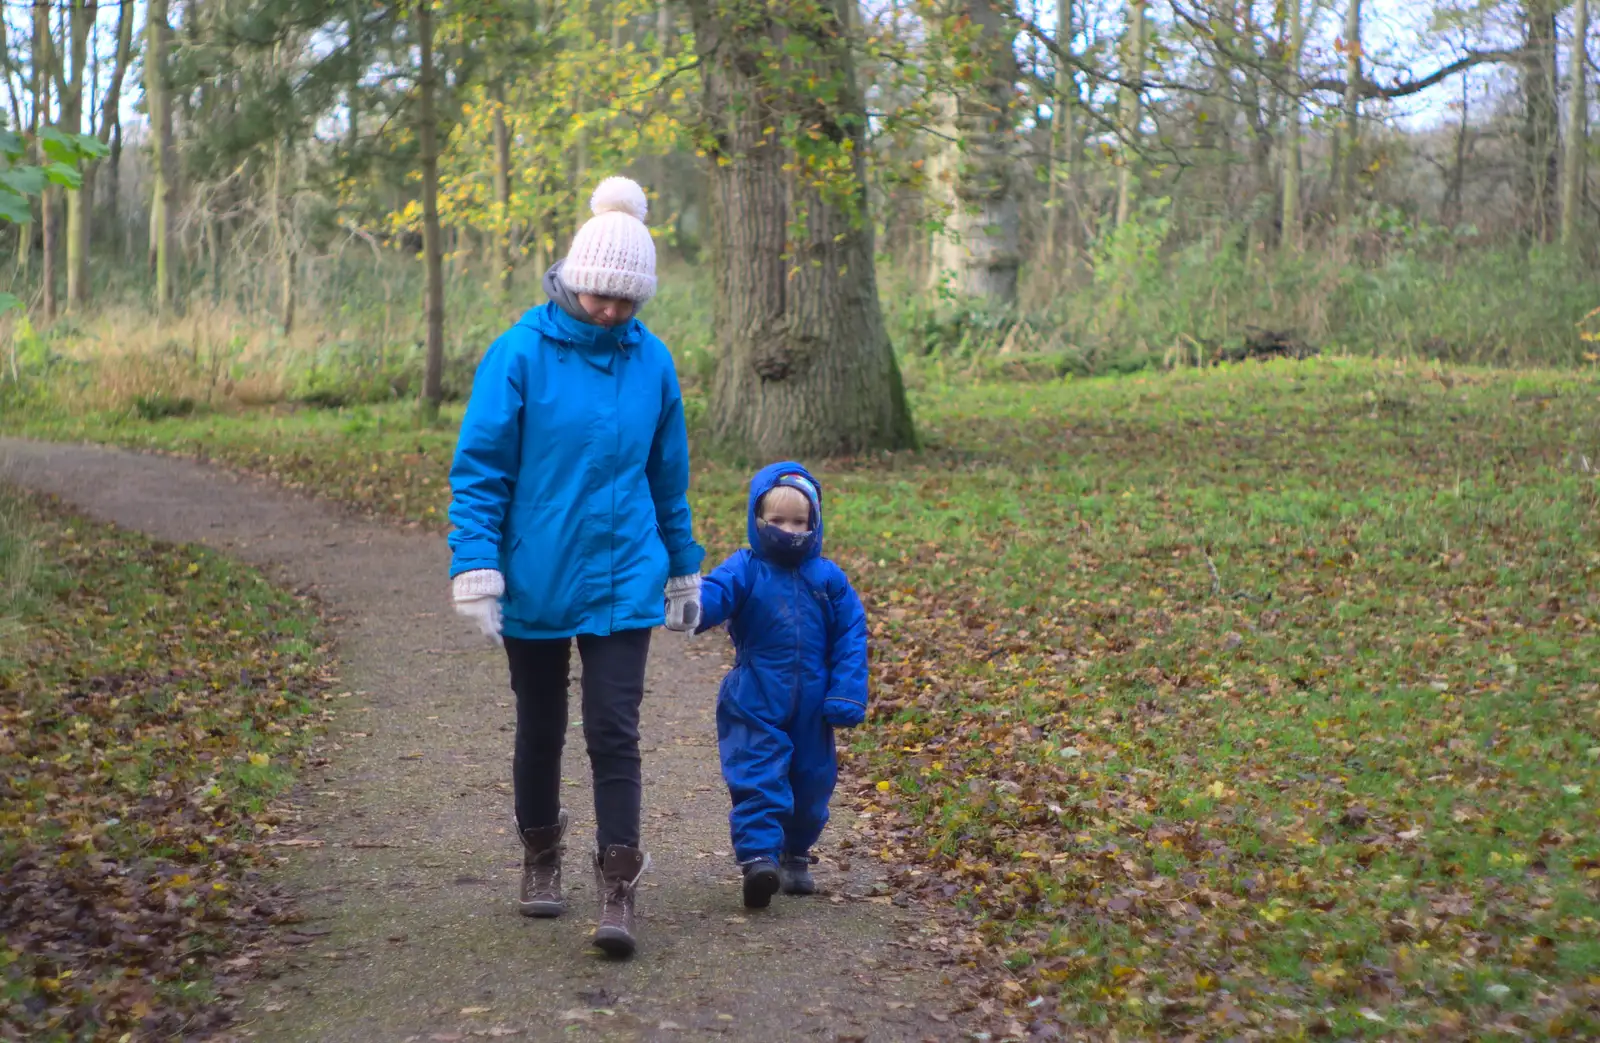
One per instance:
(800, 671)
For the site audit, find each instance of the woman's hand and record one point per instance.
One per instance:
(683, 602)
(477, 596)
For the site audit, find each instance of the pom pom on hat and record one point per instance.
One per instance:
(613, 255)
(620, 195)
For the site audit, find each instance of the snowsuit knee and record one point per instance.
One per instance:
(800, 670)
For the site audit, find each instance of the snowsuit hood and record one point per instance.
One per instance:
(768, 479)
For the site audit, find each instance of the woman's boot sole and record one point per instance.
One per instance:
(542, 910)
(614, 943)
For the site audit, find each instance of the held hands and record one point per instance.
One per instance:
(683, 603)
(477, 597)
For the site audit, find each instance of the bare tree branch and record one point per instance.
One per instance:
(1368, 89)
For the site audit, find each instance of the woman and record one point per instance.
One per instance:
(572, 520)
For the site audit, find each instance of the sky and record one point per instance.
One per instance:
(1396, 32)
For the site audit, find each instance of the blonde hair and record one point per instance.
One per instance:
(782, 494)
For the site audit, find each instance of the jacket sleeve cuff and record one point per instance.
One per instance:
(686, 561)
(473, 554)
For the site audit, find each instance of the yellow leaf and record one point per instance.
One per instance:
(883, 786)
(260, 760)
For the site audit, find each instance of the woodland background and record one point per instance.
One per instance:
(1093, 187)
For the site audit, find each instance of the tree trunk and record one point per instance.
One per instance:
(166, 188)
(11, 84)
(353, 89)
(44, 74)
(1572, 173)
(502, 193)
(52, 250)
(39, 89)
(1134, 67)
(1349, 157)
(114, 184)
(1061, 218)
(285, 251)
(81, 19)
(427, 137)
(1293, 128)
(980, 249)
(1453, 195)
(806, 367)
(109, 132)
(1542, 119)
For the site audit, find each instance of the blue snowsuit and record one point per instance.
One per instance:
(800, 670)
(571, 477)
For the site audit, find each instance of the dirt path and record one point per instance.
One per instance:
(416, 880)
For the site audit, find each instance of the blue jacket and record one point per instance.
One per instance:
(800, 633)
(571, 477)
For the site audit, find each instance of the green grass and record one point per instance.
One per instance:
(1259, 700)
(152, 702)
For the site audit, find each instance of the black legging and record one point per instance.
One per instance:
(613, 688)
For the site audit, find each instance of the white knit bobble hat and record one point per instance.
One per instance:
(613, 255)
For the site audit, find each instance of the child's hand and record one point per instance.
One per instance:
(842, 713)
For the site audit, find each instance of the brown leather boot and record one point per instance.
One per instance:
(541, 869)
(617, 871)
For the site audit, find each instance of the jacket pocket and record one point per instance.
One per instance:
(535, 584)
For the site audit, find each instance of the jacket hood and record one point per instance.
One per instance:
(597, 344)
(767, 479)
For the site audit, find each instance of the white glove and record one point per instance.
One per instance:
(477, 596)
(683, 602)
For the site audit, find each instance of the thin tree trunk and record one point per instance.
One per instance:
(39, 88)
(666, 47)
(353, 89)
(109, 129)
(806, 366)
(81, 20)
(980, 249)
(280, 227)
(502, 192)
(427, 135)
(166, 188)
(11, 83)
(1351, 135)
(44, 70)
(1131, 116)
(1542, 120)
(1453, 196)
(1572, 173)
(1061, 217)
(1293, 129)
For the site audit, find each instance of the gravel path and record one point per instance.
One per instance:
(412, 893)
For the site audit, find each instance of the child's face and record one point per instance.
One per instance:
(786, 513)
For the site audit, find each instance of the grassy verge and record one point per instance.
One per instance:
(151, 703)
(1256, 702)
